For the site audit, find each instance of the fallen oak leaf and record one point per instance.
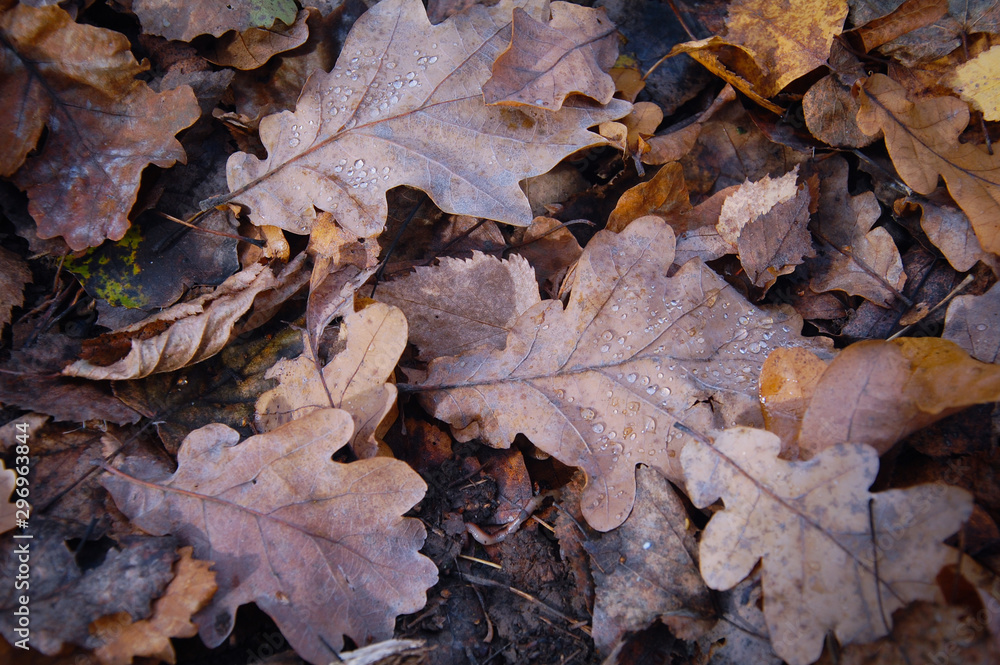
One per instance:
(547, 62)
(318, 545)
(180, 335)
(183, 21)
(922, 139)
(386, 117)
(973, 322)
(446, 317)
(602, 383)
(355, 380)
(874, 392)
(104, 125)
(835, 557)
(253, 47)
(189, 591)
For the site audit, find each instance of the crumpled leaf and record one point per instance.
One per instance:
(973, 322)
(922, 139)
(65, 598)
(648, 567)
(398, 110)
(949, 229)
(318, 545)
(547, 62)
(835, 557)
(183, 21)
(874, 392)
(976, 82)
(104, 125)
(178, 336)
(766, 223)
(355, 380)
(253, 47)
(14, 274)
(853, 257)
(8, 515)
(664, 194)
(189, 591)
(459, 304)
(601, 383)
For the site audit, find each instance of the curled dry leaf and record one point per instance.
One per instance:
(386, 117)
(835, 557)
(922, 139)
(253, 47)
(648, 567)
(908, 16)
(318, 545)
(183, 21)
(853, 257)
(125, 639)
(873, 392)
(355, 380)
(973, 322)
(178, 336)
(664, 195)
(547, 62)
(104, 125)
(459, 304)
(601, 383)
(949, 229)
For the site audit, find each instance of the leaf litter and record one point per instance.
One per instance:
(326, 421)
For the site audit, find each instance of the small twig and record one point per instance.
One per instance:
(395, 240)
(474, 579)
(222, 234)
(944, 301)
(480, 561)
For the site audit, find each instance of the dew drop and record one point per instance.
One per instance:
(981, 327)
(358, 164)
(587, 413)
(605, 348)
(607, 335)
(293, 142)
(598, 428)
(631, 378)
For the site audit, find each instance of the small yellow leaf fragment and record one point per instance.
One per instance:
(977, 83)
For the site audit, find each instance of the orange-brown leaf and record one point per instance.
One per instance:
(253, 47)
(318, 545)
(190, 590)
(404, 106)
(105, 126)
(602, 383)
(547, 62)
(922, 139)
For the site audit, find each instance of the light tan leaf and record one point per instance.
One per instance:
(835, 557)
(404, 106)
(14, 274)
(104, 125)
(318, 545)
(183, 21)
(177, 336)
(546, 62)
(458, 304)
(253, 47)
(355, 380)
(765, 223)
(601, 383)
(8, 513)
(853, 256)
(973, 322)
(190, 590)
(874, 392)
(977, 83)
(922, 139)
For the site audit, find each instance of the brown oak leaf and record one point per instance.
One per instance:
(318, 545)
(835, 557)
(547, 62)
(104, 125)
(874, 392)
(125, 639)
(973, 322)
(404, 106)
(183, 21)
(922, 139)
(253, 47)
(601, 383)
(447, 317)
